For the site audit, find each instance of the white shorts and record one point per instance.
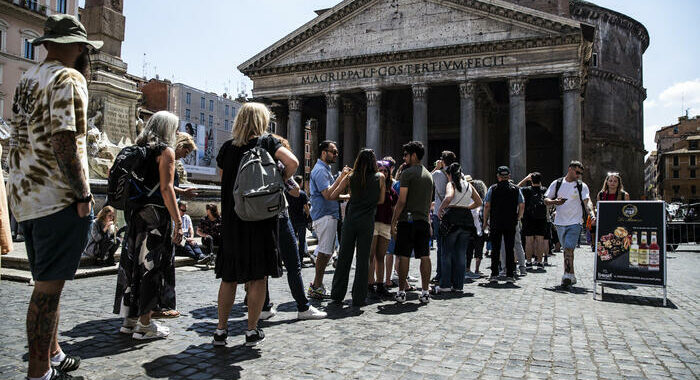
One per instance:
(382, 230)
(326, 227)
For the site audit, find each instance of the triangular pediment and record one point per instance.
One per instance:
(370, 27)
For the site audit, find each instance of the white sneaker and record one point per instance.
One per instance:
(424, 298)
(128, 326)
(523, 271)
(267, 314)
(152, 331)
(410, 278)
(312, 256)
(394, 276)
(400, 297)
(568, 279)
(311, 313)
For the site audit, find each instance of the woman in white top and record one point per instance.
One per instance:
(456, 228)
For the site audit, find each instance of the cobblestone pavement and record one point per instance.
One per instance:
(531, 330)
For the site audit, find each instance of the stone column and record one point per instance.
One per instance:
(571, 89)
(295, 128)
(420, 117)
(348, 151)
(518, 140)
(467, 128)
(374, 102)
(332, 127)
(281, 120)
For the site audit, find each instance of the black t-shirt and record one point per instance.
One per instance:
(534, 199)
(228, 160)
(296, 208)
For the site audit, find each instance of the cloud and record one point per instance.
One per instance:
(650, 103)
(686, 94)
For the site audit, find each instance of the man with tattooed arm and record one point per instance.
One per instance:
(48, 182)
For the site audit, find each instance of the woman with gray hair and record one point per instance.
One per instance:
(150, 229)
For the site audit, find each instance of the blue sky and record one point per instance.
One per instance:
(200, 43)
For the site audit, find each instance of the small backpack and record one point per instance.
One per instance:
(535, 206)
(127, 184)
(258, 192)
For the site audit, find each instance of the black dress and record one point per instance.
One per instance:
(249, 249)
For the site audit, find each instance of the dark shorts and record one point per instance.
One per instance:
(535, 227)
(413, 237)
(55, 243)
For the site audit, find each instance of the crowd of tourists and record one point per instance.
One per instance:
(389, 214)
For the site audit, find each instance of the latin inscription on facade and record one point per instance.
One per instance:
(405, 69)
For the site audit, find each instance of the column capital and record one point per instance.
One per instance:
(332, 99)
(420, 92)
(294, 103)
(570, 82)
(516, 86)
(348, 105)
(467, 89)
(374, 97)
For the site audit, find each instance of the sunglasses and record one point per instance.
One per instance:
(616, 174)
(334, 152)
(579, 172)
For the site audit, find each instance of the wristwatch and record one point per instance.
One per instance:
(86, 199)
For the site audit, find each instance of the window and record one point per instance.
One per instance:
(692, 145)
(675, 129)
(693, 189)
(188, 114)
(306, 148)
(692, 173)
(675, 174)
(27, 49)
(226, 110)
(594, 60)
(61, 6)
(692, 158)
(308, 162)
(226, 125)
(675, 160)
(201, 102)
(211, 120)
(32, 4)
(3, 35)
(1, 66)
(201, 118)
(188, 98)
(2, 108)
(211, 105)
(676, 189)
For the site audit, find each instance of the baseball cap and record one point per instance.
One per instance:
(503, 170)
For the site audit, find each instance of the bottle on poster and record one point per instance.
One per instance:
(644, 252)
(634, 251)
(654, 253)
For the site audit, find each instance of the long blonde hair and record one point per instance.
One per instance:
(251, 121)
(161, 128)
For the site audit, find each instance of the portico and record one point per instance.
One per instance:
(504, 88)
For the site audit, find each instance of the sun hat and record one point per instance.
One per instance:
(65, 29)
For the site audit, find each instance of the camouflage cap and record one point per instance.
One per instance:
(65, 29)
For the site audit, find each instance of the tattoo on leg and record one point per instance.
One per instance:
(568, 261)
(41, 324)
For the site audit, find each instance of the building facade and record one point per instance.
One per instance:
(208, 117)
(678, 177)
(522, 83)
(20, 22)
(650, 191)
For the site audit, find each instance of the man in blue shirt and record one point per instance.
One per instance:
(324, 211)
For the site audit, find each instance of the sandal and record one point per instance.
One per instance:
(411, 288)
(165, 314)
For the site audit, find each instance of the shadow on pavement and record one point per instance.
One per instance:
(211, 312)
(398, 308)
(571, 289)
(206, 328)
(637, 300)
(202, 362)
(104, 339)
(497, 285)
(451, 295)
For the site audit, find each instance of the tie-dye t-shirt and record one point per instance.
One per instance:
(50, 98)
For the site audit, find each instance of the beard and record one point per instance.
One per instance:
(82, 63)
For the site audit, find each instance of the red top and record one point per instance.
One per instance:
(385, 211)
(608, 196)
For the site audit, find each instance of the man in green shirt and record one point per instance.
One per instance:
(411, 221)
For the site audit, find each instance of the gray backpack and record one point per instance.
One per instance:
(259, 189)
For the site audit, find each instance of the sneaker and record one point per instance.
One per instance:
(253, 337)
(371, 289)
(269, 313)
(204, 259)
(219, 339)
(58, 375)
(151, 331)
(523, 271)
(128, 326)
(410, 278)
(540, 265)
(68, 364)
(493, 279)
(382, 291)
(437, 290)
(434, 280)
(400, 297)
(311, 313)
(312, 256)
(458, 291)
(528, 264)
(335, 261)
(394, 276)
(471, 275)
(317, 293)
(424, 298)
(510, 280)
(568, 279)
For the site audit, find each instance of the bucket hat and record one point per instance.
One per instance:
(65, 29)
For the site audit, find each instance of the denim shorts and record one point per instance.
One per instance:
(55, 243)
(568, 235)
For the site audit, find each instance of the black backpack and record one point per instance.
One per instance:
(534, 204)
(127, 184)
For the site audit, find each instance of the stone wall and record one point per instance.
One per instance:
(557, 7)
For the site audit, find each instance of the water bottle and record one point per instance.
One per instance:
(409, 217)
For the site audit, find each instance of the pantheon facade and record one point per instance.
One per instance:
(532, 84)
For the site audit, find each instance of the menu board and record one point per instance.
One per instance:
(630, 243)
